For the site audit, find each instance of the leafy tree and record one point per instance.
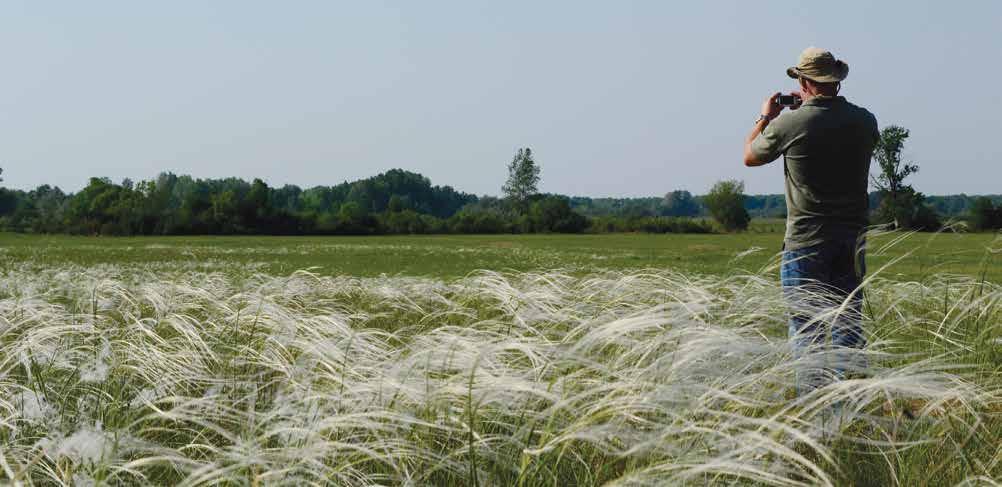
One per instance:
(523, 180)
(9, 201)
(634, 209)
(396, 204)
(679, 203)
(951, 205)
(985, 215)
(286, 198)
(899, 202)
(318, 199)
(353, 219)
(403, 222)
(766, 206)
(554, 214)
(254, 206)
(887, 152)
(47, 206)
(725, 202)
(327, 223)
(479, 220)
(224, 207)
(373, 194)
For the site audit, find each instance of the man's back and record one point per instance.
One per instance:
(828, 143)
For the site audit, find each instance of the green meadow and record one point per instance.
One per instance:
(917, 256)
(530, 360)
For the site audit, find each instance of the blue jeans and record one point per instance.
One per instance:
(820, 284)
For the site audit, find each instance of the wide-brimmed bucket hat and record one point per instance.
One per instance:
(819, 65)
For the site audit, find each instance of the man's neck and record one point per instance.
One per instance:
(819, 96)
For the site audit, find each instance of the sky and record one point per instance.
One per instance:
(615, 98)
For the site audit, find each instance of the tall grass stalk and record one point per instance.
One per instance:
(118, 374)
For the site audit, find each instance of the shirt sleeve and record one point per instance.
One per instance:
(770, 144)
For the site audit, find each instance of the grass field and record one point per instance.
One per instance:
(451, 256)
(486, 360)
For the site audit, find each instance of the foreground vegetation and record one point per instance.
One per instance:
(590, 361)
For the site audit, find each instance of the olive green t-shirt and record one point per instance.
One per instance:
(827, 144)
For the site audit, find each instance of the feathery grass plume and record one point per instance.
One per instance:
(193, 375)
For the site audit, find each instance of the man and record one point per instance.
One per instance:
(827, 144)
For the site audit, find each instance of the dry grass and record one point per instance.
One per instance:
(182, 375)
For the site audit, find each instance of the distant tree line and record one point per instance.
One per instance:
(403, 202)
(958, 206)
(394, 202)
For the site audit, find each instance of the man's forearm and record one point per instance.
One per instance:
(770, 110)
(760, 125)
(756, 130)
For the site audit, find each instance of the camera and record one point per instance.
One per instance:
(787, 100)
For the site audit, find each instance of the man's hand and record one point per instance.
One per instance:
(770, 110)
(771, 107)
(800, 99)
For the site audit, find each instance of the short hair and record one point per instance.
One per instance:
(831, 86)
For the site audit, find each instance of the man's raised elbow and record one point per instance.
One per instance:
(750, 161)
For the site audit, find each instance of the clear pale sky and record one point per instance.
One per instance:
(615, 98)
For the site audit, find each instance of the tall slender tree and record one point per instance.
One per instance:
(899, 203)
(523, 180)
(893, 170)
